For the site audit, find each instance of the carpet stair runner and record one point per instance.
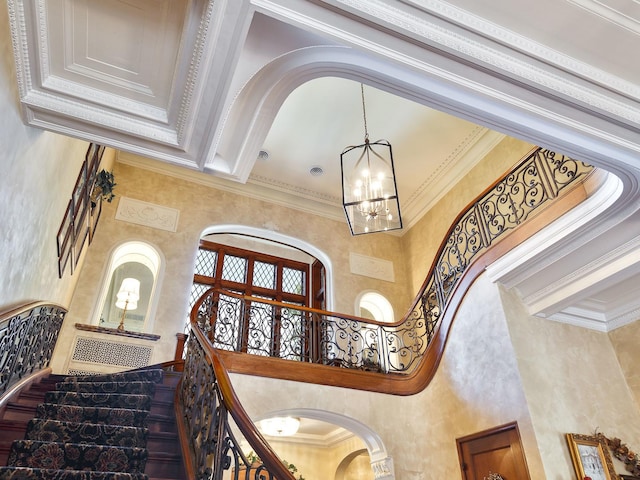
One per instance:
(98, 427)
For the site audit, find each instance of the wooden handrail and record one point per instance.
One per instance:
(244, 423)
(499, 241)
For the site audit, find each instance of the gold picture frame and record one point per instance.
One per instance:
(590, 457)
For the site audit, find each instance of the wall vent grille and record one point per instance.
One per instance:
(110, 353)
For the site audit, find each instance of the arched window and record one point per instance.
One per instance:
(267, 269)
(131, 260)
(374, 306)
(274, 243)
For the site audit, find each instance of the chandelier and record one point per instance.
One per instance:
(369, 192)
(280, 426)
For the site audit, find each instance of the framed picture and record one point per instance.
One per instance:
(80, 240)
(93, 159)
(93, 162)
(64, 240)
(590, 457)
(94, 216)
(80, 189)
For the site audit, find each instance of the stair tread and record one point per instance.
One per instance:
(30, 473)
(63, 418)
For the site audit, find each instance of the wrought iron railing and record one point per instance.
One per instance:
(267, 328)
(207, 402)
(27, 338)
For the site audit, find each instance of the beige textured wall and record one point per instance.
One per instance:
(625, 341)
(423, 240)
(573, 384)
(476, 387)
(39, 170)
(201, 207)
(321, 463)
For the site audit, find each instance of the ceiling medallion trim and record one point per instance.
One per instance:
(487, 53)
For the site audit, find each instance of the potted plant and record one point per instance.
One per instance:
(103, 187)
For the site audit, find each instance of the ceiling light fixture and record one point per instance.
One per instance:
(369, 191)
(280, 426)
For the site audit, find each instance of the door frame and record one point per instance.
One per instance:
(512, 426)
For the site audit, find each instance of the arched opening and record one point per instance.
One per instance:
(131, 260)
(355, 466)
(349, 446)
(271, 243)
(374, 306)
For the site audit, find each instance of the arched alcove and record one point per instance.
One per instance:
(132, 259)
(375, 306)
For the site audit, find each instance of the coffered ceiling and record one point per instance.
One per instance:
(253, 94)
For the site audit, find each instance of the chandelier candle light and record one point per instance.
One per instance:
(369, 191)
(128, 297)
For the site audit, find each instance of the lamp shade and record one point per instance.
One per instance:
(129, 294)
(369, 192)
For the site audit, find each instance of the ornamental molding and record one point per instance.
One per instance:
(383, 469)
(147, 214)
(488, 53)
(371, 267)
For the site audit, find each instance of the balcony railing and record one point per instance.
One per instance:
(269, 329)
(28, 336)
(211, 420)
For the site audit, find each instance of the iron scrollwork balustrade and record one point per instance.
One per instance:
(27, 339)
(212, 443)
(302, 334)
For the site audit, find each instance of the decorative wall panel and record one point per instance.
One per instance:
(147, 214)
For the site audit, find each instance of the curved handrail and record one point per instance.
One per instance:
(206, 396)
(28, 335)
(409, 350)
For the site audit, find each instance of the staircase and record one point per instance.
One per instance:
(99, 427)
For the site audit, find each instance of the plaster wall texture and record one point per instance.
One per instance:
(573, 383)
(476, 387)
(625, 341)
(200, 207)
(421, 243)
(39, 170)
(321, 463)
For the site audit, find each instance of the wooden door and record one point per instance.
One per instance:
(497, 450)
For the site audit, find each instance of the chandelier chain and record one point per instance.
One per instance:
(364, 114)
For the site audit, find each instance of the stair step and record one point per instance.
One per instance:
(77, 456)
(99, 415)
(111, 400)
(86, 423)
(165, 465)
(125, 387)
(19, 411)
(89, 433)
(162, 442)
(26, 473)
(154, 375)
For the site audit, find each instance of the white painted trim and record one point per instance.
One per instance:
(286, 240)
(381, 462)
